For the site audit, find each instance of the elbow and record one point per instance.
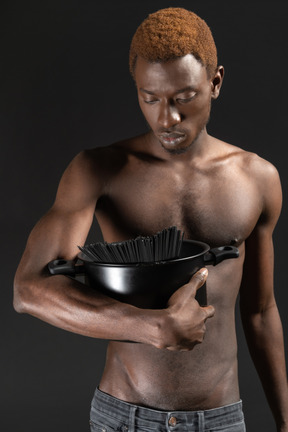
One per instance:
(259, 320)
(21, 295)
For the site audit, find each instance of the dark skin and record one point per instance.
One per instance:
(176, 174)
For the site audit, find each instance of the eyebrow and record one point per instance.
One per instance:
(185, 89)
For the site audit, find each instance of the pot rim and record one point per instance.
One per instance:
(205, 246)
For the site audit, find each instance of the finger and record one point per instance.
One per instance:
(197, 281)
(209, 310)
(200, 277)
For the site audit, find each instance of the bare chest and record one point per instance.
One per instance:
(216, 207)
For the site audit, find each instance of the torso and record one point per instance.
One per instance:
(214, 201)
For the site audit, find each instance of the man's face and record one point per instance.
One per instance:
(175, 98)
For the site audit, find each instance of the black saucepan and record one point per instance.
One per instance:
(150, 284)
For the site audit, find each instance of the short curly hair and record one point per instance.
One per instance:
(171, 33)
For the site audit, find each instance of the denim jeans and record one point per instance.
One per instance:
(109, 414)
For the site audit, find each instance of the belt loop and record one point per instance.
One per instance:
(201, 422)
(132, 419)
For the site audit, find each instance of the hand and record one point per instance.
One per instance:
(185, 325)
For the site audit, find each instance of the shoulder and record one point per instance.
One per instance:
(265, 176)
(258, 169)
(81, 167)
(269, 186)
(107, 156)
(99, 164)
(82, 178)
(95, 162)
(262, 176)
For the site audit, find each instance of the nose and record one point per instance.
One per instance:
(168, 115)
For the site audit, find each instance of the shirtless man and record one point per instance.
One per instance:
(181, 374)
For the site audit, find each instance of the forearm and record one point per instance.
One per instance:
(73, 306)
(265, 340)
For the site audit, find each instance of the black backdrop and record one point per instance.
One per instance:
(65, 86)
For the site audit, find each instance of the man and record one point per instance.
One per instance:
(174, 368)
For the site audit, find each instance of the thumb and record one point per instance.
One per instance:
(200, 277)
(210, 311)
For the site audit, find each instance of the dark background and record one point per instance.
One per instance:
(65, 86)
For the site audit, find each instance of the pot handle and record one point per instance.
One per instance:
(64, 267)
(217, 255)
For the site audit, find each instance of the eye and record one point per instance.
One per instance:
(150, 102)
(185, 100)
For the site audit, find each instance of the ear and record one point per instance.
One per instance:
(216, 82)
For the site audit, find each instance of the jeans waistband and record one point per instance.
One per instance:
(122, 410)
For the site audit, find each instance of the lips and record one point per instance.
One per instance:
(172, 138)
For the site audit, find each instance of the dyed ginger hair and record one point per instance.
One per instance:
(171, 33)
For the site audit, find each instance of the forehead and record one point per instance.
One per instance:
(175, 74)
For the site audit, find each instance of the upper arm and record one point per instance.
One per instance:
(257, 293)
(67, 223)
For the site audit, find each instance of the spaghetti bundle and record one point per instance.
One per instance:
(163, 246)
